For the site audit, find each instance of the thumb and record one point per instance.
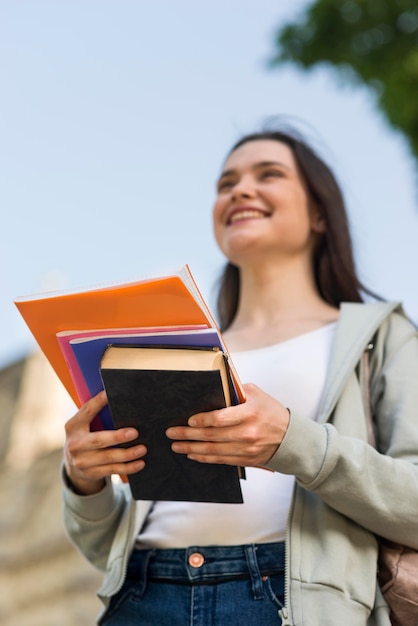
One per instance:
(83, 418)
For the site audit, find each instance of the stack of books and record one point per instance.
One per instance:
(156, 349)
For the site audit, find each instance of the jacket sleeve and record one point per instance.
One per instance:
(376, 489)
(92, 521)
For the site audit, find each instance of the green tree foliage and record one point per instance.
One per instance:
(369, 41)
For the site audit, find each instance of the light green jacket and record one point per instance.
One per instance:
(346, 492)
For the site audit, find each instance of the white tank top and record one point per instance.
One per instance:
(294, 372)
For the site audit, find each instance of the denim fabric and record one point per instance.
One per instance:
(228, 585)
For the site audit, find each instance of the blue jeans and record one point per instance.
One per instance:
(201, 586)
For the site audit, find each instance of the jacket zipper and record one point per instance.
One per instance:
(285, 611)
(285, 617)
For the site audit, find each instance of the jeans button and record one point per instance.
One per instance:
(196, 559)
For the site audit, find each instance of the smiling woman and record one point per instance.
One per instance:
(302, 547)
(261, 198)
(266, 223)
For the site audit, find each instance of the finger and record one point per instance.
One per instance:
(230, 416)
(228, 457)
(129, 468)
(229, 452)
(102, 471)
(206, 449)
(112, 456)
(109, 438)
(87, 413)
(184, 433)
(218, 460)
(236, 461)
(79, 444)
(100, 463)
(130, 462)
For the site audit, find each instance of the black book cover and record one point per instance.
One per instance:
(152, 401)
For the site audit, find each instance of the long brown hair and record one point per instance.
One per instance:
(334, 268)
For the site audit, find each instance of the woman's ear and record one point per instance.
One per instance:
(318, 223)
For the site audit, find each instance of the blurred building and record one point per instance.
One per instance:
(43, 579)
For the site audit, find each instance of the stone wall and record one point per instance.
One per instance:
(43, 579)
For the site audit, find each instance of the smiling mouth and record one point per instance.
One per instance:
(246, 214)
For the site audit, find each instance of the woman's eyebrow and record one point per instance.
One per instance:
(227, 173)
(256, 165)
(270, 163)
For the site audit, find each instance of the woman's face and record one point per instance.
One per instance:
(262, 208)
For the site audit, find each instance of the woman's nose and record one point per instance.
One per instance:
(243, 189)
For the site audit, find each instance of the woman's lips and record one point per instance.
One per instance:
(246, 213)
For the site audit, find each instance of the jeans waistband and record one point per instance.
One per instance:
(206, 564)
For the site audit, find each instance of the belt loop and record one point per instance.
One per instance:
(256, 582)
(142, 582)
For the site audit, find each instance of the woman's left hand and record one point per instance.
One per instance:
(247, 434)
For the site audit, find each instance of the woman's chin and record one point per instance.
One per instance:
(235, 245)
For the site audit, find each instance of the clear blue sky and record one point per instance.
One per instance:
(114, 119)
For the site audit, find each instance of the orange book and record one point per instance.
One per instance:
(172, 300)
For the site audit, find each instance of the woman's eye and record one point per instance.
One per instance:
(271, 174)
(224, 185)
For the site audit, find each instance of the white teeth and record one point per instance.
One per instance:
(247, 214)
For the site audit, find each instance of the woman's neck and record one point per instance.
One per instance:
(276, 304)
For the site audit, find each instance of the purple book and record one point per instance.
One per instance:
(88, 353)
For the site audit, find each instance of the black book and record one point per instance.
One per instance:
(152, 388)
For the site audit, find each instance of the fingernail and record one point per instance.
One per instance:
(130, 434)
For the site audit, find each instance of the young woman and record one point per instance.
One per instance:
(302, 549)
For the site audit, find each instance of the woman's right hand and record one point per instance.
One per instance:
(90, 457)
